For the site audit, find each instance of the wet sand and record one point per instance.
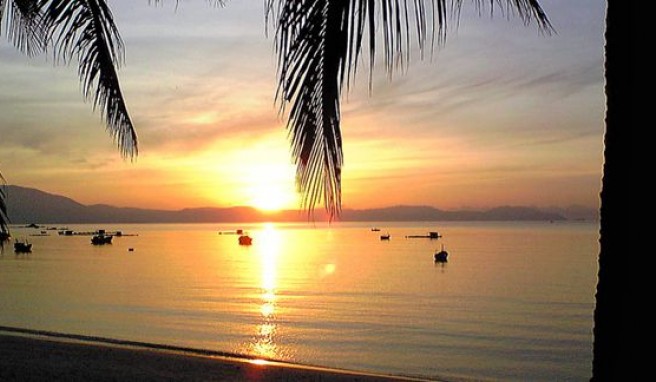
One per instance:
(27, 355)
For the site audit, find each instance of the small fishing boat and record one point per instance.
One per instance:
(374, 229)
(22, 247)
(441, 256)
(101, 239)
(245, 240)
(385, 237)
(235, 232)
(430, 235)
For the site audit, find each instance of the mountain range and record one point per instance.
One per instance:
(29, 205)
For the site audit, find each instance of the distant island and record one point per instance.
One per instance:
(29, 205)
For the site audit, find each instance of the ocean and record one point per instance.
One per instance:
(514, 302)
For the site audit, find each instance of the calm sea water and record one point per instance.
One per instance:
(514, 302)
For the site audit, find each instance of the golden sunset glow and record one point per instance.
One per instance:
(269, 247)
(447, 134)
(259, 175)
(282, 180)
(270, 196)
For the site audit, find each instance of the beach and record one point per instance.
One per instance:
(55, 356)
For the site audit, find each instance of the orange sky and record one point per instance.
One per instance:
(500, 116)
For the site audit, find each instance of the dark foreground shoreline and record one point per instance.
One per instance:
(30, 355)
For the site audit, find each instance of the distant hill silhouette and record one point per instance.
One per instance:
(427, 213)
(29, 205)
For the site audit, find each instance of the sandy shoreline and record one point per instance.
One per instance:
(29, 355)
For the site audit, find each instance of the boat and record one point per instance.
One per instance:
(385, 237)
(101, 239)
(235, 232)
(245, 240)
(374, 229)
(22, 247)
(441, 256)
(431, 235)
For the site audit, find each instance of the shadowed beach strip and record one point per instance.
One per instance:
(35, 355)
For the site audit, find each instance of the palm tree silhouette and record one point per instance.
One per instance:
(4, 229)
(610, 350)
(319, 43)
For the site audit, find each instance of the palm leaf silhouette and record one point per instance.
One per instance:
(319, 43)
(85, 30)
(82, 30)
(4, 220)
(22, 25)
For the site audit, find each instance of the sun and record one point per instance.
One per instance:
(271, 197)
(270, 187)
(258, 175)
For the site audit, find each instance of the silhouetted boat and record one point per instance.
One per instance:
(235, 232)
(245, 240)
(431, 235)
(374, 229)
(101, 239)
(22, 247)
(385, 237)
(440, 257)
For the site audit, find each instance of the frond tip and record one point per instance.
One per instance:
(4, 217)
(86, 30)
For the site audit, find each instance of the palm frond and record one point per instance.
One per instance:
(312, 44)
(319, 44)
(4, 217)
(527, 10)
(215, 3)
(85, 30)
(22, 25)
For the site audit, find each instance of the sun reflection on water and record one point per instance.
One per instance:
(269, 246)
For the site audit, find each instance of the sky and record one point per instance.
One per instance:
(500, 115)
